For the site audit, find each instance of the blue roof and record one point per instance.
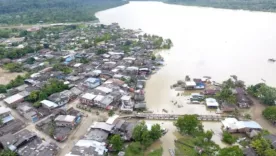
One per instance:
(92, 80)
(251, 124)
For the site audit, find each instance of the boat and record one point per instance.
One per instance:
(271, 60)
(164, 110)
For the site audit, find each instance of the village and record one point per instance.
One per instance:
(85, 83)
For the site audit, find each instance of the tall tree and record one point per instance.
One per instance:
(116, 142)
(155, 132)
(188, 124)
(261, 145)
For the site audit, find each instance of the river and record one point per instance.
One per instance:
(207, 41)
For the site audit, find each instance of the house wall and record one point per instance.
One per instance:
(63, 123)
(86, 101)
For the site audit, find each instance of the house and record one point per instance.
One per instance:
(28, 112)
(103, 126)
(190, 85)
(127, 104)
(88, 147)
(232, 125)
(65, 120)
(242, 99)
(104, 101)
(26, 143)
(48, 104)
(5, 115)
(210, 91)
(103, 90)
(87, 99)
(211, 103)
(61, 98)
(196, 97)
(97, 135)
(227, 107)
(92, 83)
(13, 100)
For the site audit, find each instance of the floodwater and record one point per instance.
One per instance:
(207, 42)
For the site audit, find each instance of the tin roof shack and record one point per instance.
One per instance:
(91, 83)
(88, 147)
(242, 99)
(26, 143)
(125, 129)
(127, 104)
(227, 107)
(14, 100)
(211, 103)
(28, 112)
(103, 101)
(196, 97)
(5, 115)
(232, 125)
(102, 126)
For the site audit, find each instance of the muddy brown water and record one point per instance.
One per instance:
(207, 41)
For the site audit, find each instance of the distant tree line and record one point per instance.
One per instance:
(52, 11)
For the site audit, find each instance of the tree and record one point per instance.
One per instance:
(3, 89)
(155, 132)
(30, 60)
(228, 84)
(116, 142)
(261, 145)
(134, 149)
(269, 152)
(230, 151)
(228, 138)
(209, 134)
(33, 96)
(7, 153)
(13, 67)
(188, 124)
(138, 131)
(146, 139)
(226, 95)
(270, 113)
(110, 113)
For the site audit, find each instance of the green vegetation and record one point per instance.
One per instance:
(254, 5)
(228, 138)
(13, 67)
(53, 86)
(157, 152)
(30, 60)
(189, 124)
(111, 113)
(7, 153)
(117, 143)
(19, 80)
(52, 11)
(15, 53)
(3, 89)
(230, 151)
(263, 147)
(134, 148)
(270, 114)
(143, 138)
(266, 94)
(63, 68)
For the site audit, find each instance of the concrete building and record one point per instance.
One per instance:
(65, 120)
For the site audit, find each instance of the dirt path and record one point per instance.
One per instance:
(256, 114)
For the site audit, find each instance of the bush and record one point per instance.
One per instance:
(228, 138)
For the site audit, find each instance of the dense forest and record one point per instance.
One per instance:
(52, 11)
(254, 5)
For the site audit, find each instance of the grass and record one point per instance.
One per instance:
(157, 152)
(184, 150)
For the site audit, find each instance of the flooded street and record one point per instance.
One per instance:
(207, 42)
